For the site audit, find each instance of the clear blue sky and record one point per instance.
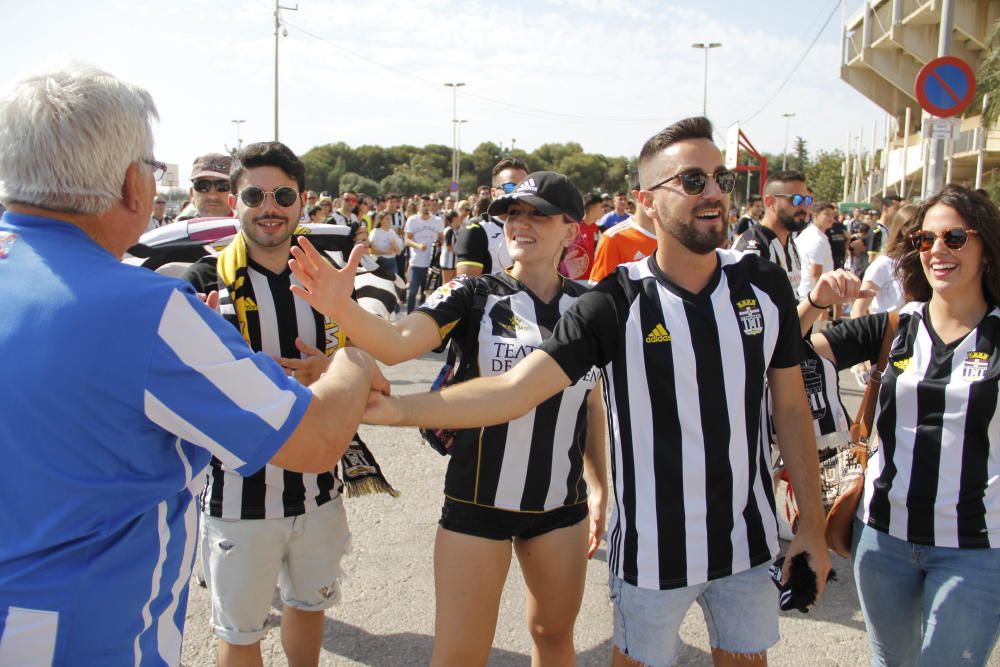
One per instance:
(604, 74)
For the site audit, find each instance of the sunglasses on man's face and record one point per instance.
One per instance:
(507, 187)
(798, 200)
(284, 196)
(954, 238)
(694, 182)
(205, 185)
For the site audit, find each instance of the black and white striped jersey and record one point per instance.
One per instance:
(684, 381)
(762, 241)
(935, 479)
(271, 492)
(533, 463)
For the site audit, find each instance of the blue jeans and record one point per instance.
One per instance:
(924, 605)
(418, 274)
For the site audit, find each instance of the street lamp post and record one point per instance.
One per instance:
(239, 142)
(458, 151)
(277, 29)
(706, 48)
(784, 155)
(454, 132)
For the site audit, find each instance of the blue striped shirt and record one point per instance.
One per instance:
(118, 386)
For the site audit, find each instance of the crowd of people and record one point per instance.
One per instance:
(687, 333)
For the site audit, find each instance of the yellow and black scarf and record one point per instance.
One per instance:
(361, 472)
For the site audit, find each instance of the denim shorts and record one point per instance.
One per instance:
(926, 605)
(497, 524)
(243, 560)
(741, 612)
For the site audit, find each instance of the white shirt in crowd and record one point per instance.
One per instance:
(423, 231)
(814, 248)
(882, 273)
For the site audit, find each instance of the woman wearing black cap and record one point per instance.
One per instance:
(520, 483)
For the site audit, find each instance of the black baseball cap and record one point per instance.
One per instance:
(545, 191)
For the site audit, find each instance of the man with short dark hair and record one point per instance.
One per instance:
(617, 215)
(272, 526)
(628, 241)
(422, 232)
(694, 516)
(755, 210)
(786, 204)
(209, 191)
(480, 247)
(880, 234)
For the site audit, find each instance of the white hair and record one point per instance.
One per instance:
(68, 136)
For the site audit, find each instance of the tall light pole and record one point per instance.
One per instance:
(784, 156)
(454, 132)
(458, 151)
(277, 29)
(239, 142)
(706, 48)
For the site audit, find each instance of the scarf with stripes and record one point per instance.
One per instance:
(359, 469)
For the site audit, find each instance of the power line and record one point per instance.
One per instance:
(437, 87)
(835, 3)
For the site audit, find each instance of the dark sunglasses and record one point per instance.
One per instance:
(507, 187)
(798, 200)
(253, 196)
(694, 182)
(954, 238)
(205, 185)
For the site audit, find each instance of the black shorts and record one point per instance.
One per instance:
(497, 524)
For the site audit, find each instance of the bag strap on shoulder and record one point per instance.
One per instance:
(866, 411)
(480, 295)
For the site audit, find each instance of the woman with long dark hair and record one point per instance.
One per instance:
(927, 536)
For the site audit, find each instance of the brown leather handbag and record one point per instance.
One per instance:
(840, 519)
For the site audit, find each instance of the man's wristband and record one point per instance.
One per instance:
(812, 303)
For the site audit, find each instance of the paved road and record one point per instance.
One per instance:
(386, 615)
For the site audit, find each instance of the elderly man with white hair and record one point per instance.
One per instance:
(118, 387)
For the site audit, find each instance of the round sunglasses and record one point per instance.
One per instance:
(694, 182)
(954, 238)
(284, 196)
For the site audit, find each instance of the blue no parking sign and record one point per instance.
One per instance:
(945, 86)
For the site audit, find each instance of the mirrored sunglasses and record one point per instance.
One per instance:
(798, 200)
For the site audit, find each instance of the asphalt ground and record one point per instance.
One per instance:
(386, 614)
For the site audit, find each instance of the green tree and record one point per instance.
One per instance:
(357, 183)
(824, 175)
(588, 171)
(801, 159)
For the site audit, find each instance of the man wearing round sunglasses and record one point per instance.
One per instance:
(209, 191)
(480, 247)
(271, 525)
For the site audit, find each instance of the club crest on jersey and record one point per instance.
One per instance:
(659, 334)
(6, 243)
(975, 366)
(750, 317)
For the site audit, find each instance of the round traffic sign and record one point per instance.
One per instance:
(945, 86)
(454, 186)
